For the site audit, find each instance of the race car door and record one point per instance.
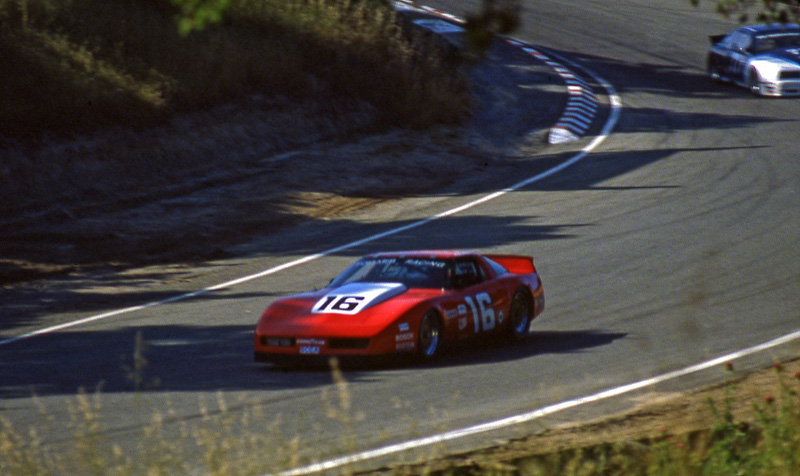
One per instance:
(741, 46)
(483, 302)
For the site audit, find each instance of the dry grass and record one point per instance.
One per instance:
(233, 439)
(739, 434)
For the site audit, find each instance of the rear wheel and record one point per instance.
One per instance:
(519, 319)
(430, 333)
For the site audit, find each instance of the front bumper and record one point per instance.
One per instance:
(780, 88)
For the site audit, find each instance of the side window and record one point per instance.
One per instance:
(467, 273)
(496, 268)
(747, 43)
(764, 43)
(741, 41)
(727, 42)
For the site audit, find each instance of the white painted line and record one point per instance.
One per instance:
(291, 264)
(613, 117)
(535, 414)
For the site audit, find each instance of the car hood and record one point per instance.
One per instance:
(783, 57)
(355, 309)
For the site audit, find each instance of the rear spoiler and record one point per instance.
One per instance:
(714, 39)
(514, 263)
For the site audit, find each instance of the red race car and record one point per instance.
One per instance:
(409, 303)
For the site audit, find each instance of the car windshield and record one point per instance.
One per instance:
(777, 40)
(413, 272)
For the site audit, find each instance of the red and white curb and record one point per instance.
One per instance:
(408, 6)
(582, 103)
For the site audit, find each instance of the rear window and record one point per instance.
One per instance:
(496, 268)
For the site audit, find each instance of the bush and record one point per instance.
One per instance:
(69, 66)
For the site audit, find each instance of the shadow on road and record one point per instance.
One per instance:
(186, 358)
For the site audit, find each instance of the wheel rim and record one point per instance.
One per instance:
(754, 83)
(712, 71)
(429, 335)
(519, 315)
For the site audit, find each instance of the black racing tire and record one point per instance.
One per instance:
(754, 82)
(429, 337)
(713, 72)
(519, 315)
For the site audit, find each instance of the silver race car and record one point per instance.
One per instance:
(763, 58)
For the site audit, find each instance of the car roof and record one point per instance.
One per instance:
(422, 254)
(771, 28)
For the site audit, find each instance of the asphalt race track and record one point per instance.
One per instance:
(676, 241)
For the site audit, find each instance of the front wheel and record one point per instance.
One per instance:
(519, 319)
(430, 333)
(754, 82)
(713, 72)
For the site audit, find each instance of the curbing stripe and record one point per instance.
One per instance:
(566, 129)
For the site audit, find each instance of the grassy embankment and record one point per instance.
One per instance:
(69, 66)
(105, 105)
(764, 443)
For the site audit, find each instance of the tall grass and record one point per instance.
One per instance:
(70, 65)
(766, 445)
(234, 443)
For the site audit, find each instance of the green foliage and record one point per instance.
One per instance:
(767, 445)
(764, 11)
(195, 15)
(497, 17)
(72, 65)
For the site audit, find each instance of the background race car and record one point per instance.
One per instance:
(763, 58)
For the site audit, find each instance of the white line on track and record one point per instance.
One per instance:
(535, 414)
(483, 427)
(607, 128)
(557, 407)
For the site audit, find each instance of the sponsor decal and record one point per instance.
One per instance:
(462, 309)
(309, 350)
(452, 313)
(403, 327)
(462, 323)
(404, 337)
(318, 342)
(408, 345)
(353, 298)
(500, 317)
(426, 262)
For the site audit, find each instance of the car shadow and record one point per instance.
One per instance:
(536, 343)
(209, 358)
(495, 350)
